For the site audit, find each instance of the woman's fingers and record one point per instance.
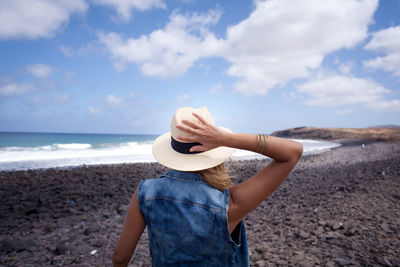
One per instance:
(199, 148)
(186, 138)
(198, 130)
(186, 129)
(199, 118)
(191, 124)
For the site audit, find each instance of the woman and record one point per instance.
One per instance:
(193, 213)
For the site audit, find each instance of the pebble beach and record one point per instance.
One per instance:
(337, 208)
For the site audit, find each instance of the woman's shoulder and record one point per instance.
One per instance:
(152, 186)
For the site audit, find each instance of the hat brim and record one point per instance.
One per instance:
(165, 155)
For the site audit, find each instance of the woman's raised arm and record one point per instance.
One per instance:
(247, 195)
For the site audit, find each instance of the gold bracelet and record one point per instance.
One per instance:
(266, 143)
(258, 143)
(258, 149)
(262, 142)
(262, 149)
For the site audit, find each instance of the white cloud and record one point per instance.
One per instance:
(345, 68)
(282, 40)
(386, 41)
(41, 71)
(183, 98)
(332, 90)
(34, 19)
(114, 101)
(289, 96)
(170, 51)
(337, 90)
(124, 7)
(389, 105)
(46, 100)
(93, 110)
(66, 50)
(31, 19)
(14, 89)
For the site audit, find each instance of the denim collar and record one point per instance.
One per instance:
(189, 176)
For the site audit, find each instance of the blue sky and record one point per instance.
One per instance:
(124, 66)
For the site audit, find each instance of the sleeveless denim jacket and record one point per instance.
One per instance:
(187, 223)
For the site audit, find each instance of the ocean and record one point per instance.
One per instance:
(23, 151)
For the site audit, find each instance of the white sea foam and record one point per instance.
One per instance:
(314, 147)
(74, 154)
(73, 146)
(17, 158)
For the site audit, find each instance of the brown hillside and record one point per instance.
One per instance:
(377, 134)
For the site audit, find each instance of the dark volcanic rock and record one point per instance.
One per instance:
(10, 245)
(339, 208)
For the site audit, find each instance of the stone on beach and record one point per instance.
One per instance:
(339, 208)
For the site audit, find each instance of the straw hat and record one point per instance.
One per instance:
(175, 154)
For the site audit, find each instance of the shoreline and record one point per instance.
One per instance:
(358, 142)
(336, 208)
(34, 163)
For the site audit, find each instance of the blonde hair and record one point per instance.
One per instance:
(217, 177)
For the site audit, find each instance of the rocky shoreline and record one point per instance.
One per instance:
(371, 134)
(339, 208)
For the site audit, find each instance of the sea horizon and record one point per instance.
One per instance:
(55, 132)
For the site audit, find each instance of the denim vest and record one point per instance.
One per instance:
(187, 223)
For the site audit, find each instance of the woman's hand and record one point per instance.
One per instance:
(202, 132)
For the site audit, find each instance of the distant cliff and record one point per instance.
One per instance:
(377, 134)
